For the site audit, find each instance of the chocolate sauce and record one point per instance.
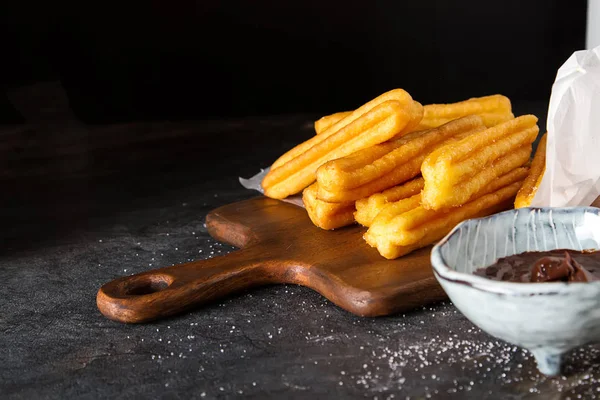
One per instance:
(546, 266)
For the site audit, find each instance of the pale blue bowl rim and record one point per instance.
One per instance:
(443, 272)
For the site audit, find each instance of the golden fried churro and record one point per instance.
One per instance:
(533, 180)
(396, 94)
(493, 110)
(405, 226)
(325, 122)
(368, 208)
(455, 172)
(389, 115)
(327, 215)
(380, 167)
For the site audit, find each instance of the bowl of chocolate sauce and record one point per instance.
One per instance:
(529, 276)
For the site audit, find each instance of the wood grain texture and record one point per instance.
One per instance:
(278, 244)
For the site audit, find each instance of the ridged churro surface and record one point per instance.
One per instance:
(455, 172)
(404, 226)
(493, 110)
(380, 167)
(533, 180)
(389, 115)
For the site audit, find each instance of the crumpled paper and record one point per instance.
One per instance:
(572, 176)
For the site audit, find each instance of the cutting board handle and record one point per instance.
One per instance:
(167, 291)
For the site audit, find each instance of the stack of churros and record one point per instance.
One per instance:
(455, 172)
(377, 168)
(411, 173)
(405, 225)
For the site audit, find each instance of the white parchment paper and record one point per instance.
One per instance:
(572, 176)
(253, 183)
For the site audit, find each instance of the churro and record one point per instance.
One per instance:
(327, 215)
(493, 110)
(391, 114)
(368, 208)
(380, 167)
(533, 180)
(456, 171)
(325, 122)
(405, 226)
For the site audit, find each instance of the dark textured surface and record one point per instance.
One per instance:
(141, 206)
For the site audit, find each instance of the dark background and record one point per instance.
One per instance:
(212, 59)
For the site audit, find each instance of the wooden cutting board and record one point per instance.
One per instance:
(278, 244)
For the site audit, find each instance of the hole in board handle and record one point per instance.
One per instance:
(147, 284)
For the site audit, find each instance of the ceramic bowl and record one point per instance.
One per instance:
(548, 319)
